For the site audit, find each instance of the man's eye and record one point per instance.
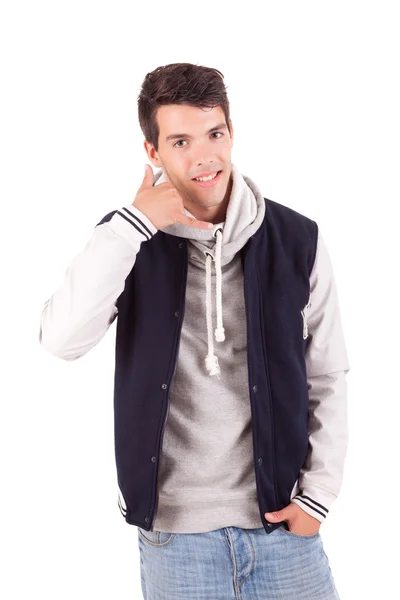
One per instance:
(213, 133)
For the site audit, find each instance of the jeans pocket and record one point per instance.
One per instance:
(155, 538)
(286, 531)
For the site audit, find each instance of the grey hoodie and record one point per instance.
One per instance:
(244, 215)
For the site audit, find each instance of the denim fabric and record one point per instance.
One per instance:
(234, 564)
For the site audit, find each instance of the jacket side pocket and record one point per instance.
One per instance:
(304, 314)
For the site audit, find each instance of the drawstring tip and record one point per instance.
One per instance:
(213, 365)
(220, 334)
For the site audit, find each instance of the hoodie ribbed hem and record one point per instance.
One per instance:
(207, 515)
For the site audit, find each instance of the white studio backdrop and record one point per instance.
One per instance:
(314, 95)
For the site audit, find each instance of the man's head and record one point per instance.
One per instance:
(184, 115)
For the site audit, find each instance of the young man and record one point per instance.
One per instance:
(229, 450)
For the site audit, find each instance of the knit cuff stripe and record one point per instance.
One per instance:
(121, 508)
(129, 219)
(301, 498)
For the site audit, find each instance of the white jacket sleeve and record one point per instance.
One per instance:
(78, 314)
(327, 365)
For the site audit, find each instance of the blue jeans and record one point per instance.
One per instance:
(234, 564)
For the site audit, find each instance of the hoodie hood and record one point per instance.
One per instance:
(244, 215)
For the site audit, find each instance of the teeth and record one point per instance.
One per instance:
(207, 178)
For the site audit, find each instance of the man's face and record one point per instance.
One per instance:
(197, 151)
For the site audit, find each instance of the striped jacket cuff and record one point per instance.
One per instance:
(132, 224)
(314, 502)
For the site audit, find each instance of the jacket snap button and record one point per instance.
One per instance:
(153, 459)
(164, 386)
(255, 388)
(146, 519)
(180, 245)
(260, 461)
(176, 313)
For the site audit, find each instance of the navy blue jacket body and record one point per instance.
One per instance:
(277, 262)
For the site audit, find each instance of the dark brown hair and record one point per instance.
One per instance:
(179, 83)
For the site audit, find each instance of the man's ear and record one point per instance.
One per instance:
(152, 154)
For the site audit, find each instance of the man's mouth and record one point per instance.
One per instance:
(208, 181)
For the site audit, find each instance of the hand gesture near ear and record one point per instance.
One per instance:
(163, 204)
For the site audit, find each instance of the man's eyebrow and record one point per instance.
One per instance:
(173, 136)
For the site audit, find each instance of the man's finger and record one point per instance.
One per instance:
(193, 222)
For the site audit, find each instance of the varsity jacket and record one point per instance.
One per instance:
(143, 275)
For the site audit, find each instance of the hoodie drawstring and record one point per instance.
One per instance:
(211, 360)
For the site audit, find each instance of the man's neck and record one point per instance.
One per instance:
(215, 214)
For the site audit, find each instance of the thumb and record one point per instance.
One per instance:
(148, 178)
(278, 515)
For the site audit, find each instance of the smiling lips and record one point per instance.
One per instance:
(209, 183)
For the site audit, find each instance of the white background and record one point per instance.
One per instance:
(314, 94)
